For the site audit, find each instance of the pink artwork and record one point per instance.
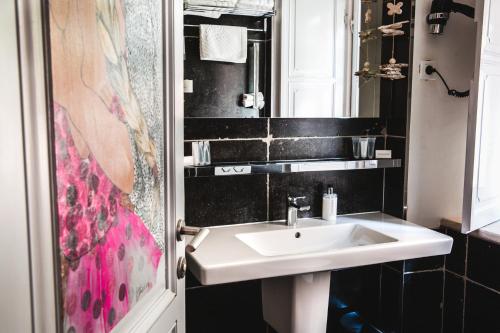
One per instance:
(106, 58)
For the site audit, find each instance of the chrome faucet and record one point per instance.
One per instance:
(292, 208)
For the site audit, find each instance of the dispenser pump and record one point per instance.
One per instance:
(329, 205)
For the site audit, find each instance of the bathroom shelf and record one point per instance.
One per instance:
(250, 168)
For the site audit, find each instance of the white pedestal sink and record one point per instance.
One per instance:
(294, 263)
(297, 303)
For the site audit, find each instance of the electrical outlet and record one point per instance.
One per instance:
(421, 70)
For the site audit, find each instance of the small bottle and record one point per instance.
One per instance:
(330, 205)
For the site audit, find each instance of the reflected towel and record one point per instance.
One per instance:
(223, 43)
(214, 8)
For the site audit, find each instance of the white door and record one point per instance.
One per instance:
(313, 58)
(102, 108)
(482, 174)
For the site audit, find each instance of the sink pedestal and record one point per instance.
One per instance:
(298, 303)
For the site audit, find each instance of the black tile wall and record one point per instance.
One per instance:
(424, 264)
(358, 289)
(453, 304)
(481, 309)
(324, 127)
(479, 253)
(394, 191)
(238, 150)
(228, 308)
(358, 191)
(224, 128)
(391, 300)
(471, 288)
(423, 294)
(225, 200)
(455, 261)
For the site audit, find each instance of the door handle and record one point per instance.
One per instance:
(199, 235)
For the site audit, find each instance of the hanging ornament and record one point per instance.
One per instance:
(394, 8)
(392, 70)
(394, 29)
(368, 16)
(367, 35)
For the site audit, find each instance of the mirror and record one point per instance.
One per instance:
(321, 61)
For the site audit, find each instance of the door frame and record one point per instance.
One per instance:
(160, 307)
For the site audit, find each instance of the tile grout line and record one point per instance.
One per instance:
(270, 138)
(474, 282)
(444, 286)
(442, 297)
(425, 271)
(268, 144)
(465, 277)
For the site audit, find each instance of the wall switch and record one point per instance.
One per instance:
(188, 86)
(421, 70)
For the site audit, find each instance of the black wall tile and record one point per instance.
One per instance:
(455, 261)
(224, 128)
(483, 264)
(395, 179)
(238, 151)
(453, 304)
(423, 295)
(397, 265)
(481, 310)
(391, 300)
(309, 148)
(316, 127)
(423, 264)
(227, 308)
(359, 289)
(358, 191)
(225, 200)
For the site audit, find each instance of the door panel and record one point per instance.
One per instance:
(482, 179)
(102, 86)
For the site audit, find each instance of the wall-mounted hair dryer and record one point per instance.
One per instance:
(440, 13)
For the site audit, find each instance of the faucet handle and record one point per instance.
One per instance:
(292, 198)
(304, 208)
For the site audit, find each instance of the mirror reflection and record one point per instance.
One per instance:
(291, 59)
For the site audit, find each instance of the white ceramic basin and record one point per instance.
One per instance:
(312, 239)
(264, 250)
(294, 263)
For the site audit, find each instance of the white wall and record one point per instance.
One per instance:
(15, 303)
(439, 122)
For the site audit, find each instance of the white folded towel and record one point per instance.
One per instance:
(223, 43)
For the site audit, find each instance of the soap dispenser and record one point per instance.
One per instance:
(330, 205)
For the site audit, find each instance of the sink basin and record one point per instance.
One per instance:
(294, 262)
(312, 239)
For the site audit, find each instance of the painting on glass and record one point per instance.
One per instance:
(107, 110)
